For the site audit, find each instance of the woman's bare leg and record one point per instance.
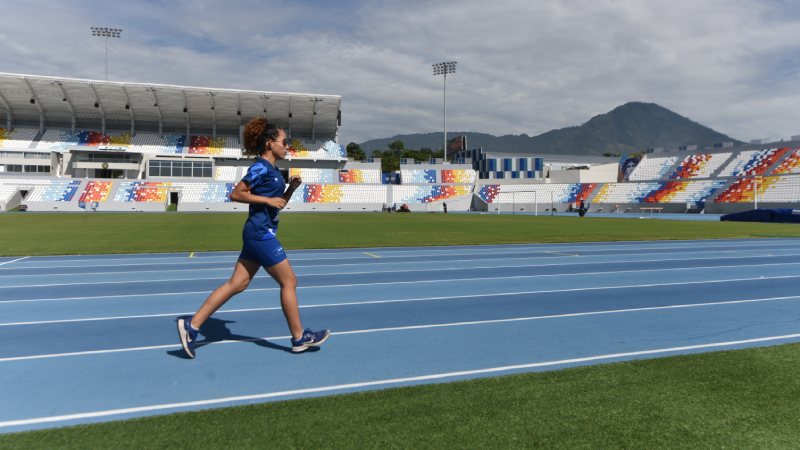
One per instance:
(243, 273)
(284, 275)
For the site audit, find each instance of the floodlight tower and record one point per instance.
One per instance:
(106, 32)
(444, 68)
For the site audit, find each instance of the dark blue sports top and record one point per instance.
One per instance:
(265, 180)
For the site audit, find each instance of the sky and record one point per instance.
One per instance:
(523, 66)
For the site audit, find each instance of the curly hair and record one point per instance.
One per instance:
(256, 134)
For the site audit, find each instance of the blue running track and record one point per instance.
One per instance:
(92, 338)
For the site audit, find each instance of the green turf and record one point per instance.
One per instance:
(745, 399)
(23, 234)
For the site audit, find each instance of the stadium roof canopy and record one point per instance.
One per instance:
(27, 100)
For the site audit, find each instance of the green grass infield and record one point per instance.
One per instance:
(23, 234)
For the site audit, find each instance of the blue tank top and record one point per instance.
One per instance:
(265, 180)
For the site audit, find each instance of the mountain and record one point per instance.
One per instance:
(632, 127)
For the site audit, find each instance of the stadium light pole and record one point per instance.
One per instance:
(443, 68)
(106, 33)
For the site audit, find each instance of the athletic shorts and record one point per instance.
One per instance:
(267, 253)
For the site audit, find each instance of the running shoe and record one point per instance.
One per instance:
(310, 339)
(187, 335)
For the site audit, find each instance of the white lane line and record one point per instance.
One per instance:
(298, 255)
(333, 286)
(593, 246)
(409, 327)
(155, 294)
(194, 262)
(186, 262)
(132, 258)
(391, 301)
(300, 269)
(389, 381)
(172, 280)
(14, 260)
(370, 254)
(199, 260)
(227, 266)
(391, 267)
(564, 254)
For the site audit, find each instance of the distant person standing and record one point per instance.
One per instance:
(265, 191)
(582, 209)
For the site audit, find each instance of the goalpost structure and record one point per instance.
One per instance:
(535, 193)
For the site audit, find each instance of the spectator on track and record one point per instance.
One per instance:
(264, 189)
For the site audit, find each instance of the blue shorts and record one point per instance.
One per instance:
(267, 253)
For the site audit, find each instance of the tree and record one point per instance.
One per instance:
(389, 163)
(390, 159)
(397, 146)
(354, 152)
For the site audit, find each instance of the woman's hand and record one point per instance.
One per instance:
(294, 183)
(276, 202)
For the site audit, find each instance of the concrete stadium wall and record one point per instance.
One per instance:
(455, 204)
(643, 208)
(12, 202)
(527, 207)
(52, 206)
(334, 207)
(213, 207)
(129, 207)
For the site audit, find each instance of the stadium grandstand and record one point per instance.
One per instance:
(88, 145)
(717, 180)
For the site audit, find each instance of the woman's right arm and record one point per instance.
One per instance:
(241, 193)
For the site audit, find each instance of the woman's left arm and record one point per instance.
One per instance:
(241, 193)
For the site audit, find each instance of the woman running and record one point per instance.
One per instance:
(265, 191)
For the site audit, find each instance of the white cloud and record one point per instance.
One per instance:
(524, 67)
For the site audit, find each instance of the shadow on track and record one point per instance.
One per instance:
(216, 330)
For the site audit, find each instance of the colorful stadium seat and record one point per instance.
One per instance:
(142, 191)
(700, 166)
(752, 162)
(789, 165)
(96, 191)
(418, 176)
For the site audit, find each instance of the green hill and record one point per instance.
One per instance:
(632, 127)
